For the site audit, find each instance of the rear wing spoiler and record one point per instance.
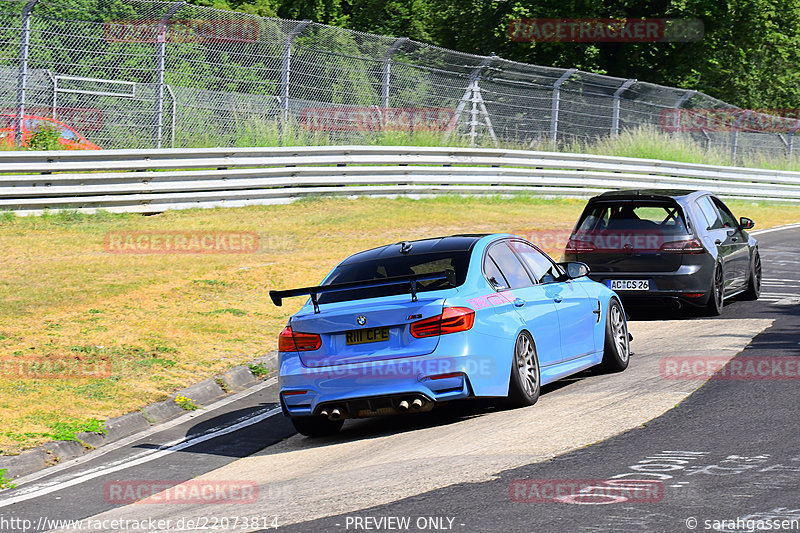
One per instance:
(412, 280)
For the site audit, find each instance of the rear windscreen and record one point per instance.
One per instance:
(648, 217)
(388, 267)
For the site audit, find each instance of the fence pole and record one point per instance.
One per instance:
(735, 135)
(22, 76)
(685, 97)
(172, 118)
(790, 143)
(54, 96)
(287, 64)
(615, 111)
(387, 70)
(708, 141)
(557, 103)
(161, 51)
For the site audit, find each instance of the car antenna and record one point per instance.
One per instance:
(405, 247)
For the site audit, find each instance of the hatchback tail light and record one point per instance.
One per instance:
(452, 320)
(292, 341)
(692, 246)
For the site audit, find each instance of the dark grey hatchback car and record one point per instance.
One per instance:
(682, 247)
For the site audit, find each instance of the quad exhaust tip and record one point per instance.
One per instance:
(417, 404)
(336, 414)
(403, 406)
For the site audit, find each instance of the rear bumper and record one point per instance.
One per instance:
(305, 391)
(690, 284)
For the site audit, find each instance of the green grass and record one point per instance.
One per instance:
(5, 483)
(260, 369)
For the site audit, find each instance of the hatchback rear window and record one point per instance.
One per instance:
(388, 267)
(631, 217)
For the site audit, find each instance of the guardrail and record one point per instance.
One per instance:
(157, 180)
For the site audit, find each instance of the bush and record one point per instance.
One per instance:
(45, 137)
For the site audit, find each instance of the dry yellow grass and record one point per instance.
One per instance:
(165, 321)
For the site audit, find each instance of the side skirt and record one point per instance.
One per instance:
(563, 369)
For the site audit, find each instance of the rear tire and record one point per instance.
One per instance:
(753, 290)
(316, 426)
(715, 300)
(617, 347)
(525, 385)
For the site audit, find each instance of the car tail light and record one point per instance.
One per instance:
(291, 341)
(578, 246)
(294, 392)
(452, 320)
(692, 246)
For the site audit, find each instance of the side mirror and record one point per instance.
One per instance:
(575, 269)
(746, 223)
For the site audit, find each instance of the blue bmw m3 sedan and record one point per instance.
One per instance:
(403, 327)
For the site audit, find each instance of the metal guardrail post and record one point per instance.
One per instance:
(557, 103)
(615, 110)
(161, 51)
(387, 70)
(22, 76)
(286, 65)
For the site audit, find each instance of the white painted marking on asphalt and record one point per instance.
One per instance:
(143, 458)
(142, 434)
(777, 228)
(788, 301)
(139, 459)
(58, 481)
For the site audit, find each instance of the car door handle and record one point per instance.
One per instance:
(558, 299)
(519, 302)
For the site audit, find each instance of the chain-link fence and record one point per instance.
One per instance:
(141, 73)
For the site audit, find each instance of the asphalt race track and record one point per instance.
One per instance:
(655, 448)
